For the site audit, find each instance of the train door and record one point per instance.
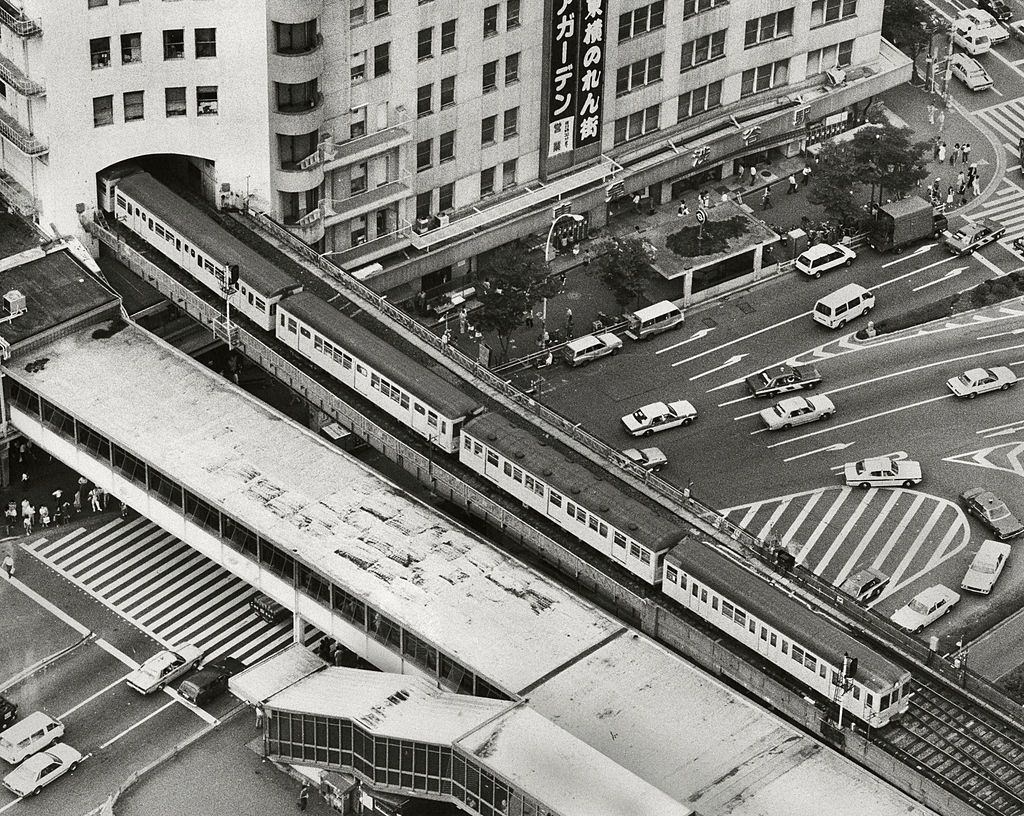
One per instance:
(763, 642)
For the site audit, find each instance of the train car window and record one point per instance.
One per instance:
(347, 362)
(764, 633)
(150, 220)
(292, 325)
(304, 332)
(477, 448)
(694, 591)
(444, 426)
(798, 654)
(282, 318)
(785, 646)
(492, 459)
(603, 530)
(645, 557)
(261, 304)
(703, 596)
(467, 443)
(177, 244)
(670, 573)
(593, 523)
(810, 662)
(507, 468)
(121, 202)
(773, 640)
(823, 671)
(421, 411)
(199, 261)
(856, 692)
(431, 419)
(714, 602)
(869, 699)
(727, 609)
(634, 550)
(556, 499)
(620, 539)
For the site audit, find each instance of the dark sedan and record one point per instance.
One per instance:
(992, 511)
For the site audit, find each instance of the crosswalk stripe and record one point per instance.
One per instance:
(898, 532)
(840, 539)
(940, 552)
(80, 542)
(823, 524)
(153, 605)
(773, 519)
(176, 573)
(128, 564)
(84, 559)
(220, 599)
(801, 517)
(749, 515)
(917, 543)
(867, 538)
(130, 584)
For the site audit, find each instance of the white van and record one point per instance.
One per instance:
(970, 38)
(843, 305)
(589, 347)
(29, 736)
(653, 319)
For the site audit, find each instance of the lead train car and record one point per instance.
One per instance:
(410, 392)
(195, 242)
(783, 631)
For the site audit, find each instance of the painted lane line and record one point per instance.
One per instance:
(701, 333)
(868, 537)
(830, 514)
(961, 526)
(745, 337)
(1007, 432)
(858, 421)
(952, 273)
(131, 728)
(733, 401)
(49, 607)
(895, 587)
(999, 272)
(87, 700)
(997, 427)
(897, 533)
(920, 250)
(113, 651)
(830, 449)
(999, 334)
(844, 533)
(730, 362)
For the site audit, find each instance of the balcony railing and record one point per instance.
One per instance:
(16, 134)
(16, 21)
(12, 75)
(18, 197)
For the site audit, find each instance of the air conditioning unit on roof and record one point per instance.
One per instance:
(835, 76)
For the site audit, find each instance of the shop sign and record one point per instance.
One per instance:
(577, 74)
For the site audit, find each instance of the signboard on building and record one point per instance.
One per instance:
(574, 81)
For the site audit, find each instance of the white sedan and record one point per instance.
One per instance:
(659, 416)
(927, 607)
(796, 411)
(970, 72)
(652, 459)
(163, 667)
(39, 770)
(976, 381)
(986, 567)
(882, 471)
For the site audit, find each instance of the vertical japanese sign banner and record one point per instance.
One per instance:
(577, 74)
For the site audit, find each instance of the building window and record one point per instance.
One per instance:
(694, 7)
(3, 91)
(640, 21)
(174, 44)
(424, 154)
(490, 75)
(508, 173)
(446, 196)
(446, 147)
(97, 3)
(133, 107)
(381, 8)
(357, 13)
(490, 21)
(381, 59)
(425, 44)
(358, 69)
(764, 77)
(824, 12)
(700, 100)
(297, 38)
(424, 99)
(99, 52)
(770, 27)
(131, 48)
(102, 111)
(636, 124)
(206, 42)
(832, 56)
(703, 49)
(640, 73)
(423, 204)
(448, 35)
(511, 123)
(357, 178)
(486, 181)
(174, 101)
(512, 68)
(447, 92)
(298, 97)
(487, 130)
(293, 149)
(206, 100)
(512, 14)
(357, 231)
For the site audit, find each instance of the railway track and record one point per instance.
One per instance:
(969, 751)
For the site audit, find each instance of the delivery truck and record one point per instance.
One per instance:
(904, 222)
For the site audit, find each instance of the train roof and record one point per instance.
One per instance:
(773, 605)
(199, 229)
(392, 363)
(597, 491)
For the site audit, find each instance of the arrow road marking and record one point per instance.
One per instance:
(1007, 432)
(697, 335)
(830, 449)
(952, 273)
(1000, 334)
(730, 362)
(917, 251)
(897, 455)
(985, 431)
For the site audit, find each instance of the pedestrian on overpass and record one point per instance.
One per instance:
(9, 566)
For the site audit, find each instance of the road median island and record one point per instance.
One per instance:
(987, 293)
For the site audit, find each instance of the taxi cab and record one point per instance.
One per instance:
(659, 416)
(974, 236)
(882, 471)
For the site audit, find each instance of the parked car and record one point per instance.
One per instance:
(797, 411)
(652, 459)
(8, 712)
(970, 38)
(782, 378)
(976, 381)
(974, 236)
(590, 347)
(823, 257)
(865, 585)
(994, 11)
(969, 71)
(163, 667)
(39, 770)
(927, 607)
(984, 23)
(986, 567)
(659, 416)
(992, 511)
(882, 471)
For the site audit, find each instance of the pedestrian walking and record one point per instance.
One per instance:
(683, 210)
(949, 197)
(56, 496)
(27, 521)
(82, 482)
(304, 796)
(259, 715)
(32, 514)
(976, 186)
(463, 320)
(963, 197)
(961, 178)
(78, 503)
(10, 517)
(931, 113)
(124, 510)
(9, 566)
(935, 148)
(766, 199)
(792, 184)
(753, 175)
(636, 201)
(942, 119)
(965, 151)
(942, 151)
(739, 170)
(568, 323)
(705, 199)
(954, 156)
(24, 480)
(44, 517)
(94, 500)
(806, 173)
(102, 495)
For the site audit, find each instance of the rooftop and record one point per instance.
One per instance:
(15, 235)
(332, 512)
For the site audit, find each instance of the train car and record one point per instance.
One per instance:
(410, 392)
(194, 241)
(781, 629)
(591, 506)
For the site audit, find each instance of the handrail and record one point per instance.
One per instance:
(20, 24)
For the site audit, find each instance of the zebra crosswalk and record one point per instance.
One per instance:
(835, 531)
(1007, 120)
(1005, 206)
(164, 587)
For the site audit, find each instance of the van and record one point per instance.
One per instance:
(268, 609)
(866, 585)
(203, 686)
(651, 320)
(589, 347)
(972, 41)
(843, 305)
(31, 735)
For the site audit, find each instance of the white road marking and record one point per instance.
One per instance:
(730, 362)
(805, 511)
(952, 273)
(999, 334)
(812, 539)
(858, 551)
(695, 336)
(918, 251)
(897, 533)
(745, 337)
(840, 539)
(772, 519)
(998, 427)
(92, 697)
(917, 543)
(49, 607)
(986, 262)
(749, 515)
(733, 401)
(830, 449)
(132, 727)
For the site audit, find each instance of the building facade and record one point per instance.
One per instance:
(405, 137)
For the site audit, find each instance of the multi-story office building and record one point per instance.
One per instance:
(405, 137)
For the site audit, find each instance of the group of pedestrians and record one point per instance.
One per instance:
(95, 498)
(965, 184)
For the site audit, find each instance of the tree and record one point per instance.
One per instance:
(624, 265)
(516, 279)
(887, 159)
(834, 182)
(906, 24)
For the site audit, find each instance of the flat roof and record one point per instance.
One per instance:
(702, 743)
(597, 491)
(394, 364)
(564, 772)
(57, 290)
(15, 235)
(482, 607)
(773, 605)
(268, 677)
(203, 232)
